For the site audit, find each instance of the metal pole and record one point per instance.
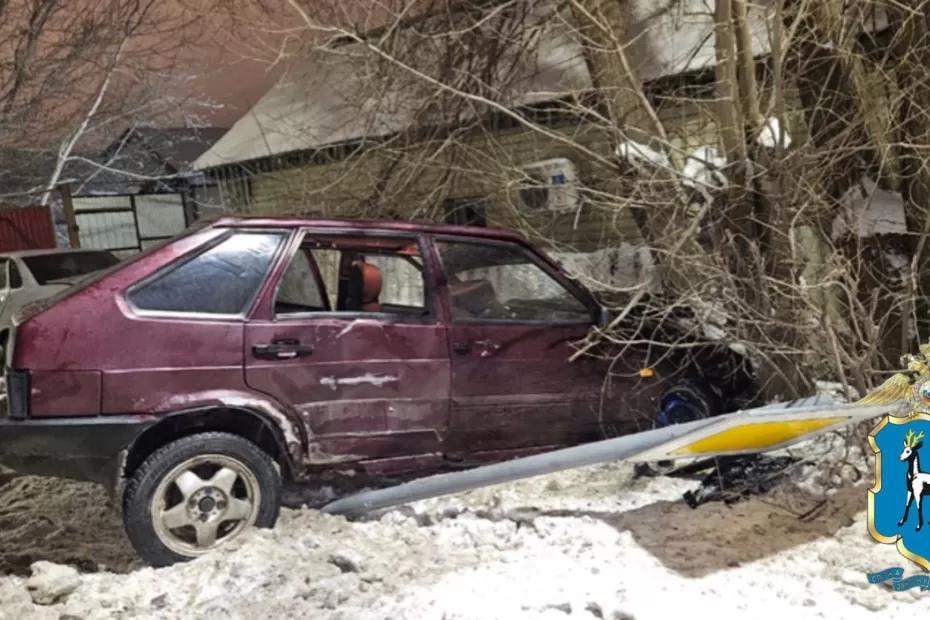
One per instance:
(67, 206)
(508, 471)
(635, 446)
(135, 221)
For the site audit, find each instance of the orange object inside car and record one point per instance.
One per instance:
(371, 287)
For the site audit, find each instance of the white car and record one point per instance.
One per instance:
(31, 275)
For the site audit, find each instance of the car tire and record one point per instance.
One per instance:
(689, 400)
(197, 493)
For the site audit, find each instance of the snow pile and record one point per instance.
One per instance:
(593, 543)
(773, 134)
(870, 210)
(639, 154)
(703, 169)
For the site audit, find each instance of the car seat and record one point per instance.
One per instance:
(360, 288)
(372, 282)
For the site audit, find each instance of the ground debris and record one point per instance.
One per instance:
(734, 478)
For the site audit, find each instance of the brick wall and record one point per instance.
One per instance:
(398, 182)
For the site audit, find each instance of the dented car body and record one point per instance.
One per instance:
(403, 384)
(349, 345)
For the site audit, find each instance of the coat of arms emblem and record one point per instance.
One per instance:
(898, 503)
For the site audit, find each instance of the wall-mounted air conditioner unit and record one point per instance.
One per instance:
(549, 185)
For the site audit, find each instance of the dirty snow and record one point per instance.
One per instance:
(870, 210)
(703, 168)
(638, 153)
(773, 134)
(590, 543)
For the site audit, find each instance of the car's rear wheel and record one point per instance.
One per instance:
(198, 493)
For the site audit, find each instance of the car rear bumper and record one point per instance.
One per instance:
(80, 448)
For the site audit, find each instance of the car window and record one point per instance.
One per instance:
(299, 290)
(16, 280)
(354, 274)
(221, 280)
(47, 268)
(501, 282)
(3, 268)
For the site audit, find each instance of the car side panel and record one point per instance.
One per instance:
(369, 390)
(65, 393)
(135, 359)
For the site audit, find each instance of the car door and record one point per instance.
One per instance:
(350, 337)
(515, 322)
(21, 289)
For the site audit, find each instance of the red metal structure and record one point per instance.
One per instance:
(26, 228)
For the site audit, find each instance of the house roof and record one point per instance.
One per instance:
(347, 92)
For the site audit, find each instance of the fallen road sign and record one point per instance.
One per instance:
(763, 429)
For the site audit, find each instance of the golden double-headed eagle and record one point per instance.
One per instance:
(912, 385)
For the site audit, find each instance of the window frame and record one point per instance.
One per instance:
(453, 207)
(193, 254)
(582, 295)
(314, 269)
(430, 314)
(13, 268)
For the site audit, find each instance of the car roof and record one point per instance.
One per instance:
(46, 252)
(371, 225)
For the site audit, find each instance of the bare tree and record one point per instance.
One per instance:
(74, 75)
(788, 213)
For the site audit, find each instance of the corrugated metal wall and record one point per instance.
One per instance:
(26, 228)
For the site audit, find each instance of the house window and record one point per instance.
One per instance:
(465, 211)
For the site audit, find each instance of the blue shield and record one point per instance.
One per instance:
(890, 519)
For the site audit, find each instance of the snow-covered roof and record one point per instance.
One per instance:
(345, 93)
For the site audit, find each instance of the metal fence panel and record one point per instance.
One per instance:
(160, 215)
(107, 230)
(95, 203)
(130, 223)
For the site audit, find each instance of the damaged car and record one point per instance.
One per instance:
(198, 377)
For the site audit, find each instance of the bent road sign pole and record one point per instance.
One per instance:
(743, 432)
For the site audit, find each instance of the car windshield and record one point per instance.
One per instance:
(47, 268)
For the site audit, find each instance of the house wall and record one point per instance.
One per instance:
(401, 183)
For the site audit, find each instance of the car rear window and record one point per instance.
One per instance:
(221, 280)
(48, 268)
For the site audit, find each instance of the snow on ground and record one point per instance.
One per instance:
(592, 543)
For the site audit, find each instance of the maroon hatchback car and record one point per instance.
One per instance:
(196, 377)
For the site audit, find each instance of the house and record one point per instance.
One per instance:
(485, 116)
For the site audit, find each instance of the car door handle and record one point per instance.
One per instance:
(461, 347)
(282, 350)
